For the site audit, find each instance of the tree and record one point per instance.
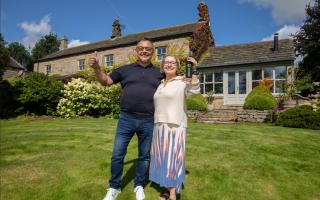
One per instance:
(40, 94)
(307, 42)
(20, 54)
(48, 44)
(4, 56)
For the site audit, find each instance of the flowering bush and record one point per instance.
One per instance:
(83, 98)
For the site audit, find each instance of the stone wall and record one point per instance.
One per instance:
(253, 115)
(69, 65)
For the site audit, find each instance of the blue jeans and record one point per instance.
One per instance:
(127, 126)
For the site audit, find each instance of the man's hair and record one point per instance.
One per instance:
(145, 39)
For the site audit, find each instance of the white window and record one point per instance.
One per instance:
(211, 82)
(256, 77)
(280, 79)
(81, 64)
(278, 76)
(48, 69)
(161, 53)
(109, 60)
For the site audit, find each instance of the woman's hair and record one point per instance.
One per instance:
(177, 60)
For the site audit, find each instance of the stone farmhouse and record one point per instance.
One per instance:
(228, 72)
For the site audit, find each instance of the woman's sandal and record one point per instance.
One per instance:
(165, 195)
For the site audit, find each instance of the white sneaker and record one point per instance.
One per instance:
(111, 194)
(139, 192)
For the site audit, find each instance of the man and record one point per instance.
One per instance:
(139, 82)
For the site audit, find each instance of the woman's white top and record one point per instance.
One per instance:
(170, 100)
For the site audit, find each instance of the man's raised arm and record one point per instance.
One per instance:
(103, 78)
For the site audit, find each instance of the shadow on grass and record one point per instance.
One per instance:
(160, 190)
(131, 172)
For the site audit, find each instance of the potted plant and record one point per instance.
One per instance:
(210, 99)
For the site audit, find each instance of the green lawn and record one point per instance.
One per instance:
(69, 159)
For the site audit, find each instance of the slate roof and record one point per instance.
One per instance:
(15, 64)
(248, 53)
(155, 35)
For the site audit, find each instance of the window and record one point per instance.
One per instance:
(268, 74)
(218, 83)
(48, 69)
(280, 80)
(161, 53)
(81, 64)
(256, 77)
(211, 82)
(278, 76)
(109, 61)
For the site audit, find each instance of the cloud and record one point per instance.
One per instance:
(75, 43)
(283, 11)
(34, 31)
(285, 32)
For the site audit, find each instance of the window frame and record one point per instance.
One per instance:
(213, 82)
(48, 69)
(83, 66)
(109, 62)
(273, 78)
(162, 54)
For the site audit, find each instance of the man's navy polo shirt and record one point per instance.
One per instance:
(138, 87)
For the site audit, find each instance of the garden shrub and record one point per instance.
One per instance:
(81, 98)
(260, 98)
(9, 93)
(300, 117)
(40, 94)
(197, 102)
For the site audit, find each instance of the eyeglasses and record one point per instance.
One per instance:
(147, 49)
(170, 62)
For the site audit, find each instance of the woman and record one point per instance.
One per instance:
(167, 166)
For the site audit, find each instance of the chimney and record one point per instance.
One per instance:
(63, 43)
(116, 29)
(276, 42)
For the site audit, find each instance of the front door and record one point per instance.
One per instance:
(237, 82)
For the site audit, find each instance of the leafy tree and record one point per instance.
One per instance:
(4, 56)
(48, 44)
(20, 54)
(40, 94)
(307, 42)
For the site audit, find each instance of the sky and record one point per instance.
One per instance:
(83, 21)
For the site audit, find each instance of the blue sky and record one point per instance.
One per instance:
(82, 21)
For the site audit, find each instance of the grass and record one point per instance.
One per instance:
(69, 159)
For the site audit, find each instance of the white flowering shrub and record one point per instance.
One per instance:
(82, 98)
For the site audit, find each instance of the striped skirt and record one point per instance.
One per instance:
(167, 165)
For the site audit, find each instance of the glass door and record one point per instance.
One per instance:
(237, 87)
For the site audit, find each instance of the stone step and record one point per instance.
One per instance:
(218, 114)
(217, 122)
(222, 119)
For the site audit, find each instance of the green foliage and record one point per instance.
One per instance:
(20, 54)
(305, 85)
(83, 98)
(40, 94)
(260, 98)
(300, 117)
(4, 56)
(48, 44)
(307, 43)
(197, 102)
(9, 94)
(210, 97)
